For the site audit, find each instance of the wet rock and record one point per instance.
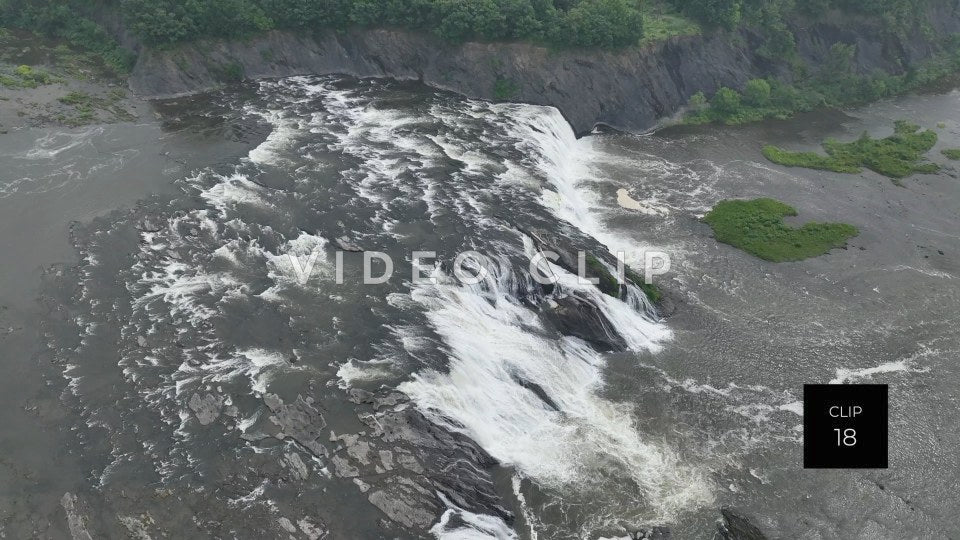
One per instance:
(656, 533)
(551, 242)
(206, 407)
(312, 531)
(737, 526)
(296, 465)
(359, 396)
(299, 421)
(390, 400)
(346, 244)
(451, 463)
(287, 525)
(75, 521)
(137, 527)
(406, 502)
(360, 451)
(343, 467)
(575, 316)
(386, 459)
(537, 390)
(361, 485)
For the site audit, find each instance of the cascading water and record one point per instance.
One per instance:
(480, 361)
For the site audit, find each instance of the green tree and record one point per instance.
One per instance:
(726, 102)
(603, 23)
(465, 19)
(697, 101)
(757, 93)
(725, 13)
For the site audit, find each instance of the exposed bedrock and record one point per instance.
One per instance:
(631, 89)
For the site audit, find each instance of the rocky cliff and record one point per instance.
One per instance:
(631, 89)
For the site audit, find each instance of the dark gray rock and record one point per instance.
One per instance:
(737, 526)
(346, 244)
(206, 407)
(575, 316)
(299, 421)
(656, 533)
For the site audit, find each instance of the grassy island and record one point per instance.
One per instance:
(896, 156)
(952, 153)
(756, 226)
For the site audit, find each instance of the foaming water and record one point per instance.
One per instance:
(563, 434)
(45, 161)
(202, 364)
(568, 165)
(231, 299)
(459, 524)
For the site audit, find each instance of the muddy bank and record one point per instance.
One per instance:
(44, 83)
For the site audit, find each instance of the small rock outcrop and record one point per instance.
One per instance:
(736, 526)
(575, 316)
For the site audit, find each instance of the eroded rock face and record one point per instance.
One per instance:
(631, 89)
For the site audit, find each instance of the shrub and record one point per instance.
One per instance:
(726, 101)
(757, 93)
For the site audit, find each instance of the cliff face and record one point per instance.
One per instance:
(629, 89)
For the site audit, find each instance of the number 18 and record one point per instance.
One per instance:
(847, 437)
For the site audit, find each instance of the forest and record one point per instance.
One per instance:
(560, 23)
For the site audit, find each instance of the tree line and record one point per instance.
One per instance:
(574, 23)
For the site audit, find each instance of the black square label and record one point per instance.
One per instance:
(845, 426)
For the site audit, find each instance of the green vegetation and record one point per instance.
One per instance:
(757, 227)
(505, 89)
(578, 23)
(85, 108)
(661, 21)
(952, 153)
(25, 77)
(833, 85)
(770, 15)
(896, 156)
(609, 284)
(654, 294)
(231, 72)
(66, 20)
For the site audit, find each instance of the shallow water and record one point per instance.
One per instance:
(212, 391)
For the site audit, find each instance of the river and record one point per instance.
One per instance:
(190, 383)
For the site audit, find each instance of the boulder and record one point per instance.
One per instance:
(575, 316)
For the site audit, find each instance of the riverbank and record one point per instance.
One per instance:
(46, 83)
(633, 89)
